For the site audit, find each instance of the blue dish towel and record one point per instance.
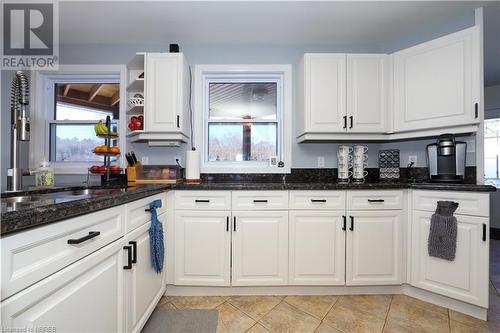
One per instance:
(156, 238)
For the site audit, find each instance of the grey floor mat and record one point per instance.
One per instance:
(181, 321)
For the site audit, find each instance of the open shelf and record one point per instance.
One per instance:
(136, 110)
(136, 85)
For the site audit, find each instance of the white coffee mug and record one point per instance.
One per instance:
(360, 175)
(359, 148)
(345, 149)
(345, 174)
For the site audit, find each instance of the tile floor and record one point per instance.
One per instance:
(337, 314)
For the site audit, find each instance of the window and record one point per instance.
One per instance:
(77, 108)
(492, 151)
(66, 105)
(242, 115)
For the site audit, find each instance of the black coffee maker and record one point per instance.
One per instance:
(446, 159)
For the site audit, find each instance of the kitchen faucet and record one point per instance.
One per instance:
(20, 128)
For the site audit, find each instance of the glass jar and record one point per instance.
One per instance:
(44, 176)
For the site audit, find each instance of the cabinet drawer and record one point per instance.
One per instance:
(32, 255)
(137, 214)
(469, 203)
(374, 200)
(317, 200)
(206, 200)
(260, 200)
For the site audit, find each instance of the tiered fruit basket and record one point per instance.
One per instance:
(107, 151)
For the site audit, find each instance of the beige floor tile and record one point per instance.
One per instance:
(162, 301)
(377, 305)
(257, 328)
(353, 321)
(232, 320)
(393, 326)
(324, 328)
(286, 318)
(255, 306)
(416, 317)
(196, 302)
(467, 320)
(457, 327)
(167, 305)
(403, 299)
(317, 306)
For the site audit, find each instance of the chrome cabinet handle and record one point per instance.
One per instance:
(91, 235)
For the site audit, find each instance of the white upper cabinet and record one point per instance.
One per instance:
(412, 93)
(436, 84)
(165, 86)
(367, 92)
(322, 98)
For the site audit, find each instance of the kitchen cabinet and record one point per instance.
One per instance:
(165, 86)
(466, 277)
(317, 247)
(367, 93)
(374, 247)
(260, 248)
(321, 95)
(412, 93)
(86, 296)
(202, 248)
(144, 287)
(437, 83)
(105, 283)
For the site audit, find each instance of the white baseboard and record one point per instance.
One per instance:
(466, 308)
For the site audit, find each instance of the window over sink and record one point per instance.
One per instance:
(241, 118)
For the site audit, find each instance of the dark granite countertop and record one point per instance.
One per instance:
(50, 208)
(255, 186)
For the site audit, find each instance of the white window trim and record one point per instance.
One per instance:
(199, 123)
(41, 110)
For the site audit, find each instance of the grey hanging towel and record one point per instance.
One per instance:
(442, 242)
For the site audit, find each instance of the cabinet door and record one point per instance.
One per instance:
(143, 285)
(317, 248)
(260, 248)
(163, 92)
(374, 248)
(465, 278)
(324, 85)
(437, 82)
(367, 93)
(202, 248)
(86, 296)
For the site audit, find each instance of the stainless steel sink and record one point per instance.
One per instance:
(87, 191)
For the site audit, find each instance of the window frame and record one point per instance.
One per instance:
(489, 180)
(206, 74)
(42, 110)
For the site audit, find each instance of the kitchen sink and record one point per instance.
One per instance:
(21, 199)
(86, 192)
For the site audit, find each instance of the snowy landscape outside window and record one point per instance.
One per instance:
(492, 151)
(243, 121)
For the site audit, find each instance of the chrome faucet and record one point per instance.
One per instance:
(20, 128)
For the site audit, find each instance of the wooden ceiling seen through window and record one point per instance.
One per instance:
(102, 96)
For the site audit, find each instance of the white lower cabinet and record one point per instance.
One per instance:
(86, 296)
(374, 247)
(466, 277)
(202, 248)
(142, 284)
(317, 248)
(260, 248)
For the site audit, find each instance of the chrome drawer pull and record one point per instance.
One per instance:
(91, 235)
